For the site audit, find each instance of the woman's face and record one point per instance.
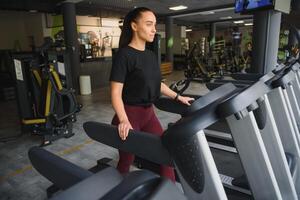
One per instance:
(144, 27)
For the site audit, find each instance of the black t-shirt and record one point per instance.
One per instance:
(140, 73)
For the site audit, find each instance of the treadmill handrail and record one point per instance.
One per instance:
(284, 79)
(243, 100)
(170, 105)
(142, 144)
(93, 187)
(215, 95)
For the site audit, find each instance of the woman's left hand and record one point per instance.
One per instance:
(185, 100)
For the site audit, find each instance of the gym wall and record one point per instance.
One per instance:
(16, 27)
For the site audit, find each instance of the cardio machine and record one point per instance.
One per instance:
(262, 155)
(199, 178)
(184, 145)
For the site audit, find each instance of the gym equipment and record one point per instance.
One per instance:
(265, 164)
(78, 183)
(262, 154)
(258, 148)
(46, 101)
(243, 80)
(270, 142)
(175, 148)
(284, 105)
(192, 176)
(195, 71)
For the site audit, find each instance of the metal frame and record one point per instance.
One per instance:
(294, 103)
(274, 147)
(213, 188)
(254, 157)
(289, 136)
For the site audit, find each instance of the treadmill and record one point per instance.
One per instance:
(262, 155)
(271, 142)
(183, 140)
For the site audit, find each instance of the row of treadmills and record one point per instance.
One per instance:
(256, 121)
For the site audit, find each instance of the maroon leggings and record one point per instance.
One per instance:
(141, 119)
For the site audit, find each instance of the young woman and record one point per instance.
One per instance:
(136, 83)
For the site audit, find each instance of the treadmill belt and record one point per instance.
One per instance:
(228, 163)
(220, 126)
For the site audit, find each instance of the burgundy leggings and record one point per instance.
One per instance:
(141, 119)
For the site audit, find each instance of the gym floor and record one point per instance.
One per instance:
(18, 179)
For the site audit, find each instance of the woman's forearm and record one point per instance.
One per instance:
(118, 106)
(165, 90)
(117, 102)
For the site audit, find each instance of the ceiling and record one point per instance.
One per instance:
(192, 16)
(161, 7)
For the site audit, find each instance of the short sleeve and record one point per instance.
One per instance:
(119, 68)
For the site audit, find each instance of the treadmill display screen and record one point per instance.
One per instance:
(244, 6)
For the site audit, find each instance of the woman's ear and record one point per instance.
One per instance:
(133, 26)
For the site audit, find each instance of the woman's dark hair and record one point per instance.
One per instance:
(132, 16)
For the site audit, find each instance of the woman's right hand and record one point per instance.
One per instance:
(123, 129)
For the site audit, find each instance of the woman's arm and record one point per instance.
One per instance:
(118, 105)
(165, 90)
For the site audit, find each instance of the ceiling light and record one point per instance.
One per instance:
(238, 22)
(197, 13)
(181, 7)
(227, 17)
(207, 13)
(248, 24)
(188, 30)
